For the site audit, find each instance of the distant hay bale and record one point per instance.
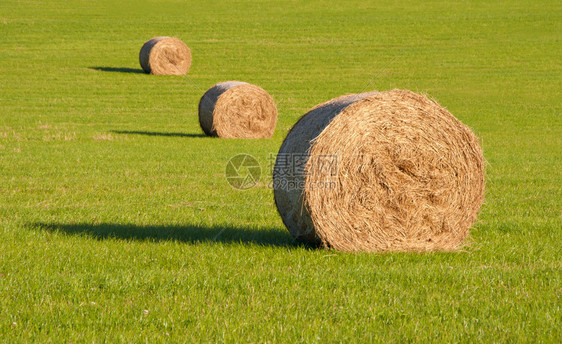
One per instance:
(380, 171)
(235, 109)
(165, 56)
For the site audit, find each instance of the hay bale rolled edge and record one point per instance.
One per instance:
(410, 176)
(235, 109)
(207, 105)
(288, 185)
(165, 56)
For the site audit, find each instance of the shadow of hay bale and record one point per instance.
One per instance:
(191, 234)
(118, 69)
(155, 133)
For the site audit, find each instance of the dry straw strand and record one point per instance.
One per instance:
(235, 109)
(165, 56)
(408, 175)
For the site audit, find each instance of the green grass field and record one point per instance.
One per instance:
(117, 223)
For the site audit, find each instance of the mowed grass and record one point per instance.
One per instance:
(117, 223)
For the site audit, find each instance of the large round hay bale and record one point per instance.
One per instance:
(235, 109)
(165, 56)
(380, 171)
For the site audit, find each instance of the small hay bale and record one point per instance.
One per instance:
(165, 56)
(380, 171)
(235, 109)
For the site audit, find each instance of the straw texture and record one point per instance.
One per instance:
(165, 56)
(235, 109)
(385, 171)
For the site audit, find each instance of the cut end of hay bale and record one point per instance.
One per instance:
(236, 109)
(383, 171)
(165, 56)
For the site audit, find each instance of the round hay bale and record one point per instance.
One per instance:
(165, 56)
(235, 109)
(380, 171)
